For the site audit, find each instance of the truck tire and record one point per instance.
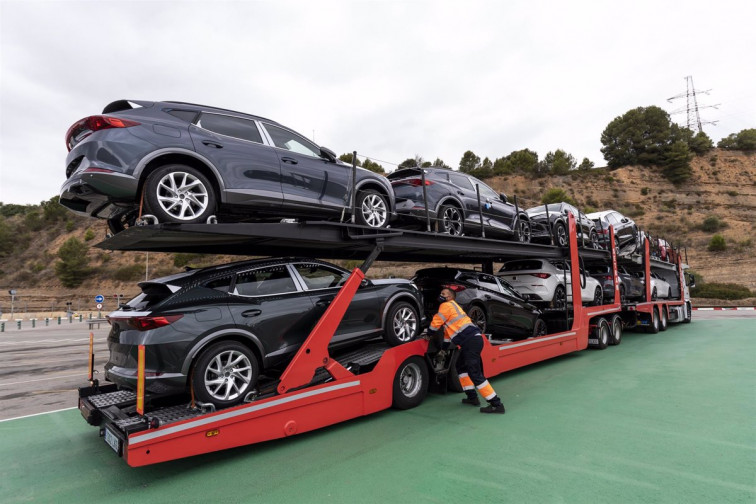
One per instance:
(224, 373)
(654, 327)
(688, 312)
(602, 333)
(402, 324)
(616, 337)
(410, 383)
(664, 320)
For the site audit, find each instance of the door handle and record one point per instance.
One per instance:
(487, 296)
(251, 313)
(323, 302)
(289, 160)
(212, 144)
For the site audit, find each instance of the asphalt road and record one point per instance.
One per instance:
(41, 368)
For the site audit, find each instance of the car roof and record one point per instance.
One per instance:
(129, 104)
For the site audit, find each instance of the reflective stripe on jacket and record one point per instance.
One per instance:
(453, 319)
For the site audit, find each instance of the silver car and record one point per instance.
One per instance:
(543, 280)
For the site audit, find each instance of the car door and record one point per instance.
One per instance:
(498, 214)
(249, 170)
(308, 181)
(322, 283)
(268, 303)
(521, 315)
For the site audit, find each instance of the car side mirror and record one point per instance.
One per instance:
(624, 220)
(565, 211)
(327, 153)
(503, 197)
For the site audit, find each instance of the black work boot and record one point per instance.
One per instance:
(493, 408)
(471, 400)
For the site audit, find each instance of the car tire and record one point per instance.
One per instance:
(654, 327)
(539, 328)
(616, 337)
(451, 221)
(653, 294)
(224, 373)
(623, 296)
(664, 320)
(179, 193)
(594, 240)
(560, 298)
(560, 235)
(478, 316)
(402, 324)
(410, 383)
(522, 232)
(598, 297)
(372, 209)
(603, 332)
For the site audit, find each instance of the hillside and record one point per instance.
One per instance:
(723, 185)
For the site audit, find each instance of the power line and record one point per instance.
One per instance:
(692, 107)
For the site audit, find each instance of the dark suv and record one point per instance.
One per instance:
(452, 204)
(217, 329)
(186, 163)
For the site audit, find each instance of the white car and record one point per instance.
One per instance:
(543, 280)
(660, 288)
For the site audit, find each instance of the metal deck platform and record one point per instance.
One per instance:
(327, 240)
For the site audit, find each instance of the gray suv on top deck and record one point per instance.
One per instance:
(185, 163)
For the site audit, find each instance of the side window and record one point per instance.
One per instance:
(264, 282)
(289, 140)
(184, 115)
(487, 193)
(221, 284)
(235, 127)
(489, 282)
(612, 218)
(460, 181)
(317, 276)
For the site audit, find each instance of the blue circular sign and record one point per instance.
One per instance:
(99, 298)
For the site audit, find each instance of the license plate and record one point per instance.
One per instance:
(113, 441)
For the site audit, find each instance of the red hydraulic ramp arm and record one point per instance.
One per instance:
(314, 351)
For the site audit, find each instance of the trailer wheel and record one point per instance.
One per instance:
(664, 322)
(410, 383)
(372, 209)
(616, 338)
(654, 327)
(224, 373)
(402, 324)
(603, 332)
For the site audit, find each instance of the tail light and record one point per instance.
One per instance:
(82, 129)
(147, 323)
(603, 231)
(415, 182)
(544, 276)
(454, 287)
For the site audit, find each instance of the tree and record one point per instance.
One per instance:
(484, 171)
(744, 140)
(408, 163)
(521, 161)
(469, 162)
(53, 211)
(72, 268)
(585, 165)
(373, 166)
(558, 163)
(439, 163)
(677, 163)
(701, 143)
(347, 158)
(6, 238)
(640, 136)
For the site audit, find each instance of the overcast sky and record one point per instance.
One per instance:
(389, 79)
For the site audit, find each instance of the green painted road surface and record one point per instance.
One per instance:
(668, 417)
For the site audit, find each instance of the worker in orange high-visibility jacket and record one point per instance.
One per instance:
(459, 330)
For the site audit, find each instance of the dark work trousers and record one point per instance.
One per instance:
(469, 362)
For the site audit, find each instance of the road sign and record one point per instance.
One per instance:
(99, 306)
(99, 298)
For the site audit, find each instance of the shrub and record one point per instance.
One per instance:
(72, 268)
(89, 235)
(712, 224)
(129, 273)
(720, 291)
(645, 191)
(717, 243)
(70, 226)
(732, 193)
(182, 259)
(557, 195)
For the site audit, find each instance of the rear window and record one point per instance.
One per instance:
(521, 265)
(152, 294)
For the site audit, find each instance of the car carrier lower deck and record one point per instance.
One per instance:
(318, 389)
